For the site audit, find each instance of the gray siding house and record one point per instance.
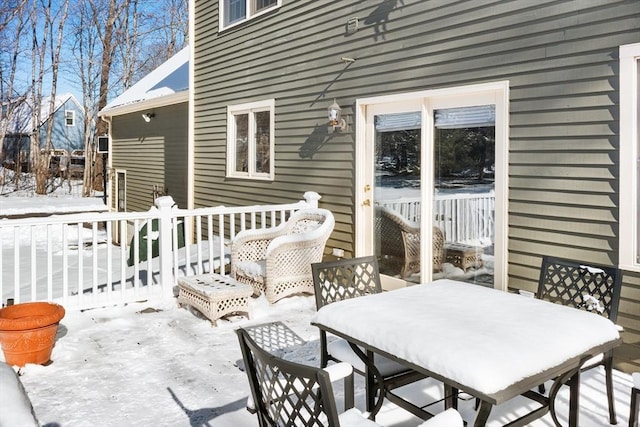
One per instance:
(548, 89)
(148, 138)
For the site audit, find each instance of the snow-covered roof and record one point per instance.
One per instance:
(20, 120)
(170, 78)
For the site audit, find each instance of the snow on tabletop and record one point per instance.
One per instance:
(480, 337)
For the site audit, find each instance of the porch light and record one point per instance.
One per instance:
(335, 119)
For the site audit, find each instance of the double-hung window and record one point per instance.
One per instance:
(70, 118)
(250, 140)
(629, 157)
(233, 12)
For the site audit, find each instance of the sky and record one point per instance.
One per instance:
(153, 363)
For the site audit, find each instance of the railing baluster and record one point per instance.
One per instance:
(80, 266)
(109, 230)
(210, 242)
(16, 266)
(221, 243)
(94, 259)
(32, 258)
(123, 256)
(65, 264)
(49, 263)
(198, 241)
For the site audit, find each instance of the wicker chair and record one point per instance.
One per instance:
(292, 394)
(277, 261)
(350, 278)
(400, 238)
(590, 287)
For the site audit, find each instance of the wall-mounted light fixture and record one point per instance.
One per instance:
(336, 121)
(148, 116)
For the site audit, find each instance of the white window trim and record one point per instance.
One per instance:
(73, 118)
(222, 26)
(628, 231)
(250, 108)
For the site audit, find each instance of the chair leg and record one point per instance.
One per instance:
(635, 407)
(349, 392)
(608, 371)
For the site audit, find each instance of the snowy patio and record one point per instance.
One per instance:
(156, 364)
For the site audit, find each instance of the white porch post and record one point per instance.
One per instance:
(312, 198)
(165, 205)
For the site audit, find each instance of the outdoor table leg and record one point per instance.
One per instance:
(483, 414)
(574, 398)
(371, 382)
(376, 379)
(450, 397)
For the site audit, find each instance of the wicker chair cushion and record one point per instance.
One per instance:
(256, 270)
(304, 226)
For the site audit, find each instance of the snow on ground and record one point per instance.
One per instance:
(154, 364)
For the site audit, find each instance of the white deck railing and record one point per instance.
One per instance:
(462, 217)
(76, 259)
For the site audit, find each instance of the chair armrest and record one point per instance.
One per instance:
(252, 244)
(338, 371)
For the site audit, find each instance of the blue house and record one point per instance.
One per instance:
(68, 127)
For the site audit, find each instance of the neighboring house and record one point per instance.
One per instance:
(68, 127)
(148, 138)
(551, 87)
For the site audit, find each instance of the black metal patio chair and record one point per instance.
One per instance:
(351, 278)
(287, 393)
(590, 287)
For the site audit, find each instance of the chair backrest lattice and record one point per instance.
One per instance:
(344, 279)
(274, 337)
(589, 287)
(287, 393)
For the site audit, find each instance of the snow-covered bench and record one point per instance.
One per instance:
(15, 406)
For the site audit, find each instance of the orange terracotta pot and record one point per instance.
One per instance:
(28, 332)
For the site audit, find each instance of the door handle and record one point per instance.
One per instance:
(367, 202)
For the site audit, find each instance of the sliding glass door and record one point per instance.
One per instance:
(431, 169)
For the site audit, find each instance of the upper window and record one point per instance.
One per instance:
(70, 117)
(233, 12)
(629, 149)
(250, 140)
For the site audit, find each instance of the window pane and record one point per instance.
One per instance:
(464, 178)
(234, 11)
(242, 143)
(397, 194)
(263, 147)
(259, 5)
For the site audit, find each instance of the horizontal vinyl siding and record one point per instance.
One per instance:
(153, 154)
(561, 61)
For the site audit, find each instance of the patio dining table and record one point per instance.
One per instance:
(491, 344)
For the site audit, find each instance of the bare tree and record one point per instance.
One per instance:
(113, 43)
(52, 37)
(12, 26)
(86, 50)
(38, 51)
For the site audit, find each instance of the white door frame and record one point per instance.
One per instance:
(496, 93)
